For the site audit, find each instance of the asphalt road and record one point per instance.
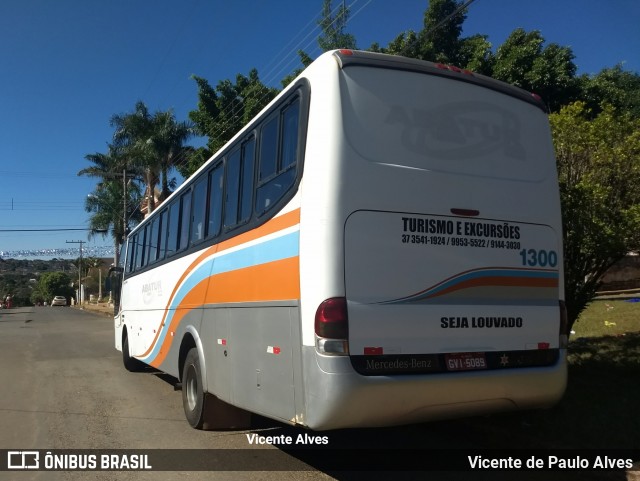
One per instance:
(63, 386)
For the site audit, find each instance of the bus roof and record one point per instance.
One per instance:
(347, 58)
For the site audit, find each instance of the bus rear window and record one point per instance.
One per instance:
(433, 123)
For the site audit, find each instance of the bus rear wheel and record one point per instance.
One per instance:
(193, 396)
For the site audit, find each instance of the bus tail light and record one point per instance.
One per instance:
(332, 327)
(564, 326)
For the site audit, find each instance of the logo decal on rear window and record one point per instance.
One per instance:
(459, 130)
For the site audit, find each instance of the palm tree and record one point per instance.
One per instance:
(105, 166)
(106, 203)
(134, 134)
(168, 141)
(152, 143)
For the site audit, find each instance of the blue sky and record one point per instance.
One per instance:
(67, 66)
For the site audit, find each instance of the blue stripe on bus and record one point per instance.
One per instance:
(272, 250)
(513, 273)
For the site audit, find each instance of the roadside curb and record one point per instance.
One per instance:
(617, 295)
(103, 309)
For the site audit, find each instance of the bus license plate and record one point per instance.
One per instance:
(465, 361)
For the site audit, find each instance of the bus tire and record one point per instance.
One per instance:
(193, 396)
(131, 364)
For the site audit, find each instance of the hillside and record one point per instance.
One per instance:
(18, 277)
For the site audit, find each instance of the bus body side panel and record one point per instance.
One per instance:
(249, 355)
(248, 293)
(254, 284)
(238, 299)
(154, 304)
(261, 358)
(218, 352)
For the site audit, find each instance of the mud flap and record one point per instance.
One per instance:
(221, 415)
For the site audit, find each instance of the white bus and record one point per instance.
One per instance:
(381, 245)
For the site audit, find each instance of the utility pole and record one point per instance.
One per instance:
(79, 270)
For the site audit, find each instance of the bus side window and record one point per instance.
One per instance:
(131, 244)
(290, 121)
(185, 220)
(172, 236)
(246, 188)
(232, 189)
(199, 210)
(162, 241)
(268, 150)
(271, 189)
(215, 201)
(140, 248)
(152, 244)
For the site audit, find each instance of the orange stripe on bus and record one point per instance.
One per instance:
(273, 281)
(192, 300)
(274, 225)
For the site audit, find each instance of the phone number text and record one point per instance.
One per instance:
(437, 240)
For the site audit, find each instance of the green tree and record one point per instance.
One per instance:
(168, 143)
(153, 144)
(223, 111)
(440, 40)
(107, 201)
(333, 23)
(598, 159)
(52, 284)
(105, 166)
(613, 86)
(524, 61)
(37, 297)
(306, 60)
(475, 54)
(333, 28)
(133, 135)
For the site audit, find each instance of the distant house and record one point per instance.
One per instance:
(624, 274)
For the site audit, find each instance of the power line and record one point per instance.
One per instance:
(38, 174)
(272, 74)
(278, 70)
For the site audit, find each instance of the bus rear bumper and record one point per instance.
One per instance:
(338, 397)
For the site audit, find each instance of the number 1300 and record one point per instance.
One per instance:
(539, 258)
